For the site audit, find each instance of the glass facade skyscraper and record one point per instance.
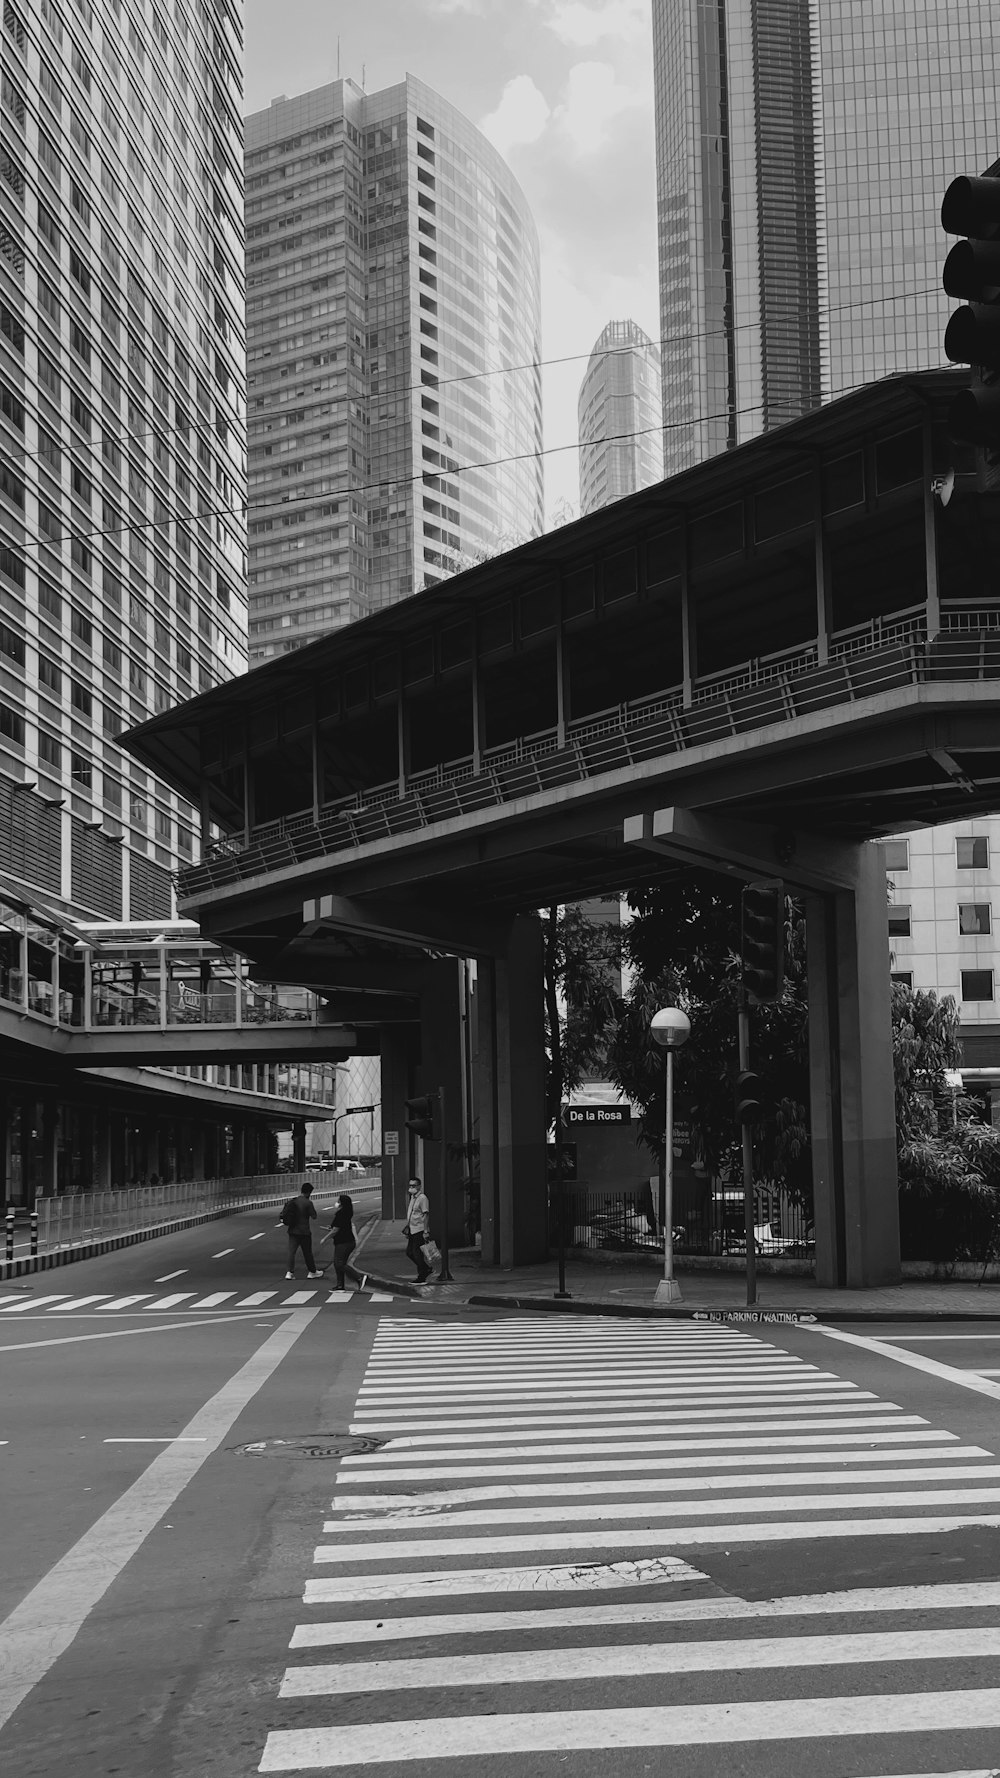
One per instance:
(619, 417)
(393, 346)
(803, 149)
(122, 415)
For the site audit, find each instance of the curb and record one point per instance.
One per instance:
(637, 1311)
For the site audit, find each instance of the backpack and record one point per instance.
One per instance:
(290, 1213)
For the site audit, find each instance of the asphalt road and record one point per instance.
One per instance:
(684, 1547)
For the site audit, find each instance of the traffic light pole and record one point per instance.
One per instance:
(747, 1131)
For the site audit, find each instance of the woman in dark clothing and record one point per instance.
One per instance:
(342, 1231)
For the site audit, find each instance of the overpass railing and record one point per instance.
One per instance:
(76, 1217)
(864, 661)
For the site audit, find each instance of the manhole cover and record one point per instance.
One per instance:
(316, 1444)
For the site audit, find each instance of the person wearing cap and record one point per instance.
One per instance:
(416, 1228)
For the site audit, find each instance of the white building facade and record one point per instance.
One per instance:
(620, 417)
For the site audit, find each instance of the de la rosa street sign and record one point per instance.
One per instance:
(598, 1114)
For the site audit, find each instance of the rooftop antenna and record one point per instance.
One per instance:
(364, 69)
(338, 56)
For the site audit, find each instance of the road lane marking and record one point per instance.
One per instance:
(931, 1367)
(707, 1436)
(175, 1438)
(170, 1302)
(213, 1301)
(48, 1619)
(120, 1333)
(960, 1596)
(925, 1338)
(126, 1302)
(168, 1275)
(77, 1302)
(259, 1237)
(678, 1536)
(380, 1296)
(510, 1463)
(298, 1297)
(511, 1428)
(671, 1725)
(407, 1507)
(33, 1302)
(638, 1660)
(578, 1577)
(580, 1380)
(254, 1301)
(399, 1420)
(222, 1252)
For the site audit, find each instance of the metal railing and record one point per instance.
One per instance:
(74, 1218)
(627, 1222)
(883, 655)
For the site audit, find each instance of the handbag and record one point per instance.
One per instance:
(430, 1250)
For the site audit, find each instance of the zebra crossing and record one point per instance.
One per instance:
(108, 1303)
(518, 1568)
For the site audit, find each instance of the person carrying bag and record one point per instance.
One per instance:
(341, 1231)
(416, 1228)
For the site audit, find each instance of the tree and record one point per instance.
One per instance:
(683, 948)
(581, 963)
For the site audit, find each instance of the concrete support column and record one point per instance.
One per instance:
(851, 1082)
(442, 1066)
(299, 1145)
(48, 1182)
(397, 1047)
(239, 1155)
(520, 1188)
(102, 1150)
(484, 1093)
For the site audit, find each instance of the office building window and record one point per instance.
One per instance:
(899, 922)
(973, 853)
(897, 854)
(904, 977)
(977, 984)
(974, 918)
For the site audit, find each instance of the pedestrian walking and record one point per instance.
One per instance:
(341, 1232)
(416, 1228)
(297, 1216)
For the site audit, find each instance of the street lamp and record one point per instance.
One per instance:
(669, 1028)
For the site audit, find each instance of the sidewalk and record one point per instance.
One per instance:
(628, 1290)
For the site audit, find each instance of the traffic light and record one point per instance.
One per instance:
(762, 940)
(749, 1096)
(421, 1120)
(971, 208)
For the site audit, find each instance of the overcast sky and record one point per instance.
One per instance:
(564, 89)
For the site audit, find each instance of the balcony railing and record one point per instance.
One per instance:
(880, 656)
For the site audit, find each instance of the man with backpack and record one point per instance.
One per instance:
(296, 1216)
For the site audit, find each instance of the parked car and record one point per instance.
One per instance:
(350, 1167)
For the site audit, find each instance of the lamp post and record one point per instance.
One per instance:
(669, 1028)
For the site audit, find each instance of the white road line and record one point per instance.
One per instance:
(168, 1275)
(982, 1372)
(677, 1725)
(491, 1429)
(415, 1418)
(77, 1302)
(213, 1301)
(676, 1537)
(581, 1380)
(412, 1506)
(637, 1660)
(508, 1464)
(170, 1302)
(727, 1434)
(222, 1252)
(34, 1302)
(380, 1296)
(120, 1333)
(259, 1237)
(442, 1401)
(297, 1298)
(578, 1577)
(344, 1296)
(931, 1367)
(967, 1596)
(126, 1302)
(47, 1620)
(923, 1339)
(623, 1510)
(254, 1301)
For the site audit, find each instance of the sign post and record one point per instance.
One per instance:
(390, 1148)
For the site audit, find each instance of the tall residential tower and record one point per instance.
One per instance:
(619, 417)
(393, 347)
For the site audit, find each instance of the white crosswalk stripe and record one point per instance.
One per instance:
(105, 1303)
(581, 1474)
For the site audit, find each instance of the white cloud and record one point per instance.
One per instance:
(594, 98)
(520, 117)
(583, 26)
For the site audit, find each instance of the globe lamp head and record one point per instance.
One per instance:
(670, 1028)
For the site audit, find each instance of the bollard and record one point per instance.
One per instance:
(10, 1236)
(34, 1234)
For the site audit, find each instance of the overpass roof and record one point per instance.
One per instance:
(170, 743)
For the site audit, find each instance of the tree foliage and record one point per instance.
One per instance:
(682, 949)
(582, 957)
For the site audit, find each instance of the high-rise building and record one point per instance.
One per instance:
(803, 149)
(394, 393)
(619, 417)
(122, 582)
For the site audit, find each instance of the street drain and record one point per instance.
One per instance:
(317, 1444)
